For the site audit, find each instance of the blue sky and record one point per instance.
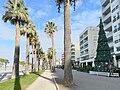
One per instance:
(87, 14)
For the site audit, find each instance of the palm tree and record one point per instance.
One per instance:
(38, 53)
(17, 14)
(50, 29)
(68, 77)
(27, 29)
(42, 57)
(6, 61)
(34, 42)
(50, 56)
(22, 63)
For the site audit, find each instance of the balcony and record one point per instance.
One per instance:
(109, 34)
(110, 44)
(73, 49)
(72, 53)
(106, 17)
(108, 27)
(105, 2)
(106, 9)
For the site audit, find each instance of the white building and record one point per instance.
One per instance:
(111, 21)
(75, 51)
(88, 45)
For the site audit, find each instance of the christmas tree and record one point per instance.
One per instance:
(103, 58)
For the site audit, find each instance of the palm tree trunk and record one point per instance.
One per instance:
(38, 60)
(53, 59)
(32, 58)
(15, 69)
(27, 54)
(35, 60)
(68, 77)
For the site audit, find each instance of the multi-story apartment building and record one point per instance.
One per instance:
(111, 21)
(88, 45)
(75, 52)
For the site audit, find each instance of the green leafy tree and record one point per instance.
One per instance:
(5, 61)
(50, 29)
(68, 77)
(103, 58)
(16, 13)
(22, 63)
(29, 30)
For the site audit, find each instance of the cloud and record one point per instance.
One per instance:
(40, 14)
(86, 18)
(30, 10)
(96, 2)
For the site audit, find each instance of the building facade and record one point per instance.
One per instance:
(88, 44)
(75, 52)
(111, 21)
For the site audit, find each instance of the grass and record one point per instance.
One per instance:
(20, 83)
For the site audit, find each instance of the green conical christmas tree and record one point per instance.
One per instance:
(103, 57)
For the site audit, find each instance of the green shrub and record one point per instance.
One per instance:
(85, 68)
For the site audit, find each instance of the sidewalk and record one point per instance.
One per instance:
(43, 82)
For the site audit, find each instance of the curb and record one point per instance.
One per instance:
(56, 85)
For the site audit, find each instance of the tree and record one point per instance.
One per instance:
(22, 63)
(50, 56)
(68, 77)
(103, 58)
(27, 29)
(42, 56)
(50, 29)
(34, 42)
(4, 61)
(38, 54)
(17, 14)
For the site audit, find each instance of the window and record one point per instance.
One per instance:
(118, 26)
(117, 6)
(114, 18)
(113, 10)
(118, 48)
(112, 49)
(116, 41)
(118, 16)
(115, 29)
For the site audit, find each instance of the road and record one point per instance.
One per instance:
(7, 75)
(84, 81)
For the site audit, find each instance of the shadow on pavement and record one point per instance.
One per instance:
(17, 85)
(43, 77)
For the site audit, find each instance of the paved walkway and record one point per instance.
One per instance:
(43, 82)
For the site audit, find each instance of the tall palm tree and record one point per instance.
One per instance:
(38, 53)
(50, 56)
(17, 14)
(68, 77)
(34, 42)
(5, 61)
(50, 29)
(42, 57)
(27, 29)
